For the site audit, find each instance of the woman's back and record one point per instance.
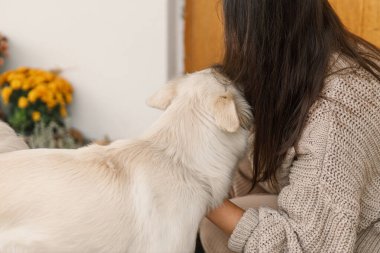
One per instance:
(329, 182)
(334, 182)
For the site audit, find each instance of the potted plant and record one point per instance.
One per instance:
(35, 103)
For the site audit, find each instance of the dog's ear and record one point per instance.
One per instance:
(244, 114)
(225, 113)
(163, 98)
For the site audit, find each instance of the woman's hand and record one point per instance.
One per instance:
(226, 217)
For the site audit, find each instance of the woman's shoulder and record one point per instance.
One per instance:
(348, 107)
(349, 91)
(346, 78)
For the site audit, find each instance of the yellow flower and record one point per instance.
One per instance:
(48, 99)
(51, 103)
(45, 86)
(36, 116)
(6, 94)
(48, 76)
(22, 69)
(13, 76)
(69, 98)
(33, 96)
(53, 86)
(16, 84)
(59, 98)
(33, 72)
(38, 78)
(41, 89)
(63, 112)
(69, 88)
(27, 84)
(23, 102)
(63, 85)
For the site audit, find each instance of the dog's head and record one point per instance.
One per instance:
(208, 93)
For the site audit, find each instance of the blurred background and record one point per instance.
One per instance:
(114, 54)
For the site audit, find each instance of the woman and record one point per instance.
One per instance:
(314, 89)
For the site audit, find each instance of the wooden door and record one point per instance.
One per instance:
(361, 17)
(204, 33)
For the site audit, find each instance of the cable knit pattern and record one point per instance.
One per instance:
(244, 230)
(332, 200)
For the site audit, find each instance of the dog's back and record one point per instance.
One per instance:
(52, 199)
(117, 198)
(9, 141)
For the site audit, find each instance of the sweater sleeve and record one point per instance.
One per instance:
(319, 209)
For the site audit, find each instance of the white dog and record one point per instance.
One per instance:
(9, 141)
(143, 195)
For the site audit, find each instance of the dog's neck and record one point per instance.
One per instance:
(193, 140)
(189, 136)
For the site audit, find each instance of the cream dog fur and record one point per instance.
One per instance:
(9, 141)
(143, 195)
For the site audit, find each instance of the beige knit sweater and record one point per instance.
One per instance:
(329, 198)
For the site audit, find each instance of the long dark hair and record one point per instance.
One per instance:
(278, 53)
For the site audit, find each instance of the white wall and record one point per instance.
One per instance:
(114, 52)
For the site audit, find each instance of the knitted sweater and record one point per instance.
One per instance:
(330, 199)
